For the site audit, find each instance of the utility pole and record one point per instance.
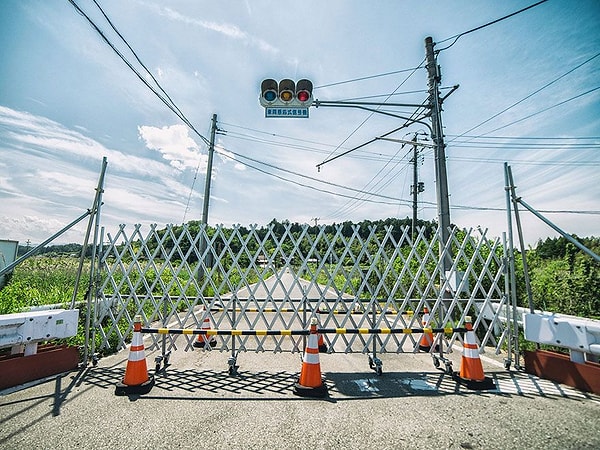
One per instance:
(211, 151)
(435, 104)
(415, 188)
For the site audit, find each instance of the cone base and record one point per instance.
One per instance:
(426, 348)
(315, 392)
(198, 344)
(486, 384)
(144, 388)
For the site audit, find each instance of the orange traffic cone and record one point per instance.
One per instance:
(310, 383)
(427, 338)
(471, 370)
(136, 379)
(322, 344)
(205, 340)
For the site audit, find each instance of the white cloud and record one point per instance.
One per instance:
(226, 29)
(48, 174)
(175, 145)
(39, 228)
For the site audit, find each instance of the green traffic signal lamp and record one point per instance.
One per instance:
(269, 92)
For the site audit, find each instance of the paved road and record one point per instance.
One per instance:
(196, 404)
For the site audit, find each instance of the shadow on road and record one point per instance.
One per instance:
(197, 384)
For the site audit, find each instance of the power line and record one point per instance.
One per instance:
(307, 177)
(381, 184)
(585, 163)
(483, 143)
(532, 94)
(458, 36)
(544, 110)
(373, 112)
(137, 57)
(392, 200)
(338, 194)
(551, 138)
(165, 99)
(369, 77)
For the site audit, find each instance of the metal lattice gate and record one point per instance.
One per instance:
(281, 276)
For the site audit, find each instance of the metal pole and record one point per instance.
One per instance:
(521, 241)
(96, 207)
(567, 236)
(434, 78)
(95, 318)
(511, 267)
(506, 297)
(34, 250)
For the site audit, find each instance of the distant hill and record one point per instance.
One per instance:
(64, 249)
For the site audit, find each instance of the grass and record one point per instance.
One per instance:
(43, 280)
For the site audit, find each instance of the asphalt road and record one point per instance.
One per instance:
(196, 404)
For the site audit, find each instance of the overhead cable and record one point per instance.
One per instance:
(167, 101)
(458, 36)
(532, 94)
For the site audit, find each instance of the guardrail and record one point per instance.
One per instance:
(23, 331)
(580, 335)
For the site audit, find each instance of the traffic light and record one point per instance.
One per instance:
(286, 93)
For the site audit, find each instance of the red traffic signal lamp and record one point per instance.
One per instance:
(286, 93)
(304, 92)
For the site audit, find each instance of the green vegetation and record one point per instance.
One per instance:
(42, 280)
(563, 278)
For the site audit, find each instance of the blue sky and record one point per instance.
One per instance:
(528, 96)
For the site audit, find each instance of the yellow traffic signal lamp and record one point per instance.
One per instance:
(287, 90)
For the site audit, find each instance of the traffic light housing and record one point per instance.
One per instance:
(286, 93)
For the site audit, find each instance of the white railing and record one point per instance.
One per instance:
(580, 335)
(24, 331)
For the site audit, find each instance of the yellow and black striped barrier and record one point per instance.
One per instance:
(301, 310)
(235, 332)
